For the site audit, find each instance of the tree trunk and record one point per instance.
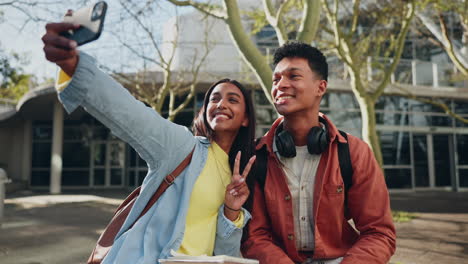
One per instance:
(369, 123)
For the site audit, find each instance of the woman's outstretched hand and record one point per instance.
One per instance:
(237, 191)
(59, 49)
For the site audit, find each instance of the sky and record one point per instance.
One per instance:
(27, 40)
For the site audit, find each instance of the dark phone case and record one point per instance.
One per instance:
(83, 34)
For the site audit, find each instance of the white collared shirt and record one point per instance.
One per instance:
(300, 174)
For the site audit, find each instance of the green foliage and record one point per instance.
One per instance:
(13, 82)
(401, 216)
(259, 20)
(291, 17)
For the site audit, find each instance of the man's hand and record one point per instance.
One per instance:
(61, 50)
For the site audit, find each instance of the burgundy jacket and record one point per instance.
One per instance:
(270, 236)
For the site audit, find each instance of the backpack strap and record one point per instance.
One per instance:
(261, 160)
(346, 167)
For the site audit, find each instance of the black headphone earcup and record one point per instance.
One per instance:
(285, 144)
(317, 140)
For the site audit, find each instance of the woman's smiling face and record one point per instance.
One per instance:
(226, 109)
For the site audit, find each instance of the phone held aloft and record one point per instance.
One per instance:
(91, 21)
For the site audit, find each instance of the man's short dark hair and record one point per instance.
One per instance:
(316, 59)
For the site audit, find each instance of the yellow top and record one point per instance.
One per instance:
(206, 198)
(62, 81)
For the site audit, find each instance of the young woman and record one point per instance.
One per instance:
(201, 213)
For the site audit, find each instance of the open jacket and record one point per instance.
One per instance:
(163, 145)
(271, 231)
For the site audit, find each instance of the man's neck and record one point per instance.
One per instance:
(299, 126)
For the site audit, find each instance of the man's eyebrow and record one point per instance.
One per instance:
(289, 70)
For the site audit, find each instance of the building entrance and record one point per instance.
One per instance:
(434, 160)
(107, 163)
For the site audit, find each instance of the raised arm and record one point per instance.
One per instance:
(153, 137)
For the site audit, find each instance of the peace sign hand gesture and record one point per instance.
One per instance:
(237, 191)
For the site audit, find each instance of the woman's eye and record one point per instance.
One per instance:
(233, 100)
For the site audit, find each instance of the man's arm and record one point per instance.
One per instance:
(259, 243)
(369, 206)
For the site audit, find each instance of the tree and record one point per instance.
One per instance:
(372, 31)
(156, 56)
(13, 82)
(274, 12)
(388, 26)
(436, 23)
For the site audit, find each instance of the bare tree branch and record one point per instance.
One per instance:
(210, 10)
(399, 50)
(443, 106)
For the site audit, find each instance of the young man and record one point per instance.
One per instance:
(301, 214)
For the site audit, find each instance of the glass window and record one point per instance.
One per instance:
(199, 100)
(395, 148)
(428, 120)
(342, 101)
(345, 119)
(398, 178)
(99, 176)
(421, 160)
(40, 178)
(116, 154)
(101, 132)
(75, 154)
(99, 158)
(461, 107)
(131, 177)
(42, 132)
(141, 176)
(391, 103)
(132, 157)
(392, 119)
(76, 132)
(463, 174)
(325, 102)
(184, 118)
(75, 177)
(459, 123)
(442, 161)
(41, 153)
(462, 149)
(116, 176)
(266, 116)
(417, 106)
(260, 98)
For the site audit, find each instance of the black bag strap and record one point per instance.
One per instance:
(261, 163)
(346, 166)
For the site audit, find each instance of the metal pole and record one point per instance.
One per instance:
(435, 74)
(413, 72)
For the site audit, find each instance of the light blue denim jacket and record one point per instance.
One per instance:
(163, 145)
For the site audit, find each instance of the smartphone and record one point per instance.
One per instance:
(91, 20)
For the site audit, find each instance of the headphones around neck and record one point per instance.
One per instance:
(317, 140)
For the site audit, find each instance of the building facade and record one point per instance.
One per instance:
(41, 147)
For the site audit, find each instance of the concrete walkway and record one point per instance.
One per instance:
(49, 229)
(438, 234)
